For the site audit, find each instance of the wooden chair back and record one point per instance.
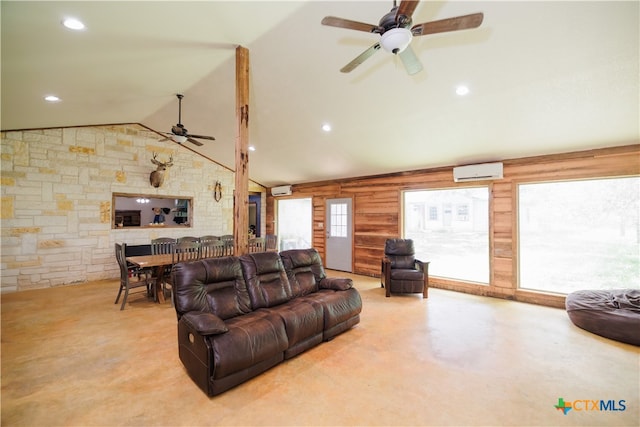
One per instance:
(162, 245)
(256, 244)
(212, 249)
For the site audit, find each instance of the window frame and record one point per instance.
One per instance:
(516, 236)
(441, 212)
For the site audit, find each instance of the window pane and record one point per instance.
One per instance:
(338, 220)
(579, 235)
(456, 242)
(294, 223)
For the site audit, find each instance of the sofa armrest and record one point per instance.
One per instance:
(205, 323)
(336, 283)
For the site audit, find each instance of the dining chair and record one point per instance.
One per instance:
(128, 273)
(256, 244)
(137, 250)
(228, 244)
(185, 251)
(208, 238)
(212, 249)
(187, 239)
(271, 243)
(163, 246)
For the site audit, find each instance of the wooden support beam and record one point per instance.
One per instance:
(241, 193)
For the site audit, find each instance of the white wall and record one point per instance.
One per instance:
(56, 197)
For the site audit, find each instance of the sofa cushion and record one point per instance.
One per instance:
(304, 267)
(338, 306)
(251, 339)
(266, 278)
(213, 285)
(302, 319)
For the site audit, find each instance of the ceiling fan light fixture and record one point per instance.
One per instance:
(179, 139)
(396, 40)
(73, 24)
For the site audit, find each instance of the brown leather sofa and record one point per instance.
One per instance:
(239, 316)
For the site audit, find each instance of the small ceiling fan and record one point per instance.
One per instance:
(179, 133)
(396, 33)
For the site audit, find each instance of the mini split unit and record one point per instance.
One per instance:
(283, 190)
(478, 172)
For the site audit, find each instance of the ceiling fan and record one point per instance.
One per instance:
(179, 133)
(396, 33)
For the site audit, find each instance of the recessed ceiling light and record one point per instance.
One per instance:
(326, 127)
(462, 90)
(51, 98)
(252, 148)
(73, 24)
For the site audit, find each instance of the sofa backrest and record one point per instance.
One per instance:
(304, 268)
(266, 278)
(213, 285)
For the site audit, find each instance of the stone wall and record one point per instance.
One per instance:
(56, 197)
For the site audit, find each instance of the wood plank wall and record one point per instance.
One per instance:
(377, 211)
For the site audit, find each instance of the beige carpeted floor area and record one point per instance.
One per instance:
(70, 357)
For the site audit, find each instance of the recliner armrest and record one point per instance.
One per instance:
(336, 283)
(205, 323)
(422, 264)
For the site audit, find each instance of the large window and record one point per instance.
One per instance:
(579, 235)
(450, 228)
(294, 223)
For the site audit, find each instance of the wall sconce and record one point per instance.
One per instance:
(217, 191)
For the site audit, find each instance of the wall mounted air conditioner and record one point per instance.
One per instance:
(478, 172)
(283, 190)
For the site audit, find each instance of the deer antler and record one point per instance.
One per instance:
(154, 161)
(162, 164)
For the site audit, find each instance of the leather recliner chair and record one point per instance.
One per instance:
(401, 271)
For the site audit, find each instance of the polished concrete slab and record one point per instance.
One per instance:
(70, 357)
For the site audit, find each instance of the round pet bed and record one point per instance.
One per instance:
(613, 314)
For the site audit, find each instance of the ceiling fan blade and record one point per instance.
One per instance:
(210, 138)
(333, 21)
(406, 8)
(410, 61)
(360, 58)
(450, 24)
(195, 141)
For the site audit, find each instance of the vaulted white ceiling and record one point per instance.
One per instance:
(544, 77)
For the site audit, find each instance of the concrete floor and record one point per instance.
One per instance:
(70, 357)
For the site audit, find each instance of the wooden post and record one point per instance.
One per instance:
(241, 193)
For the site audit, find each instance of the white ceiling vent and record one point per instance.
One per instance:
(478, 172)
(283, 190)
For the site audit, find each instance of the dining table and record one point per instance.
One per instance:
(158, 263)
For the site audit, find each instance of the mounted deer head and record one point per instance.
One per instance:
(157, 176)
